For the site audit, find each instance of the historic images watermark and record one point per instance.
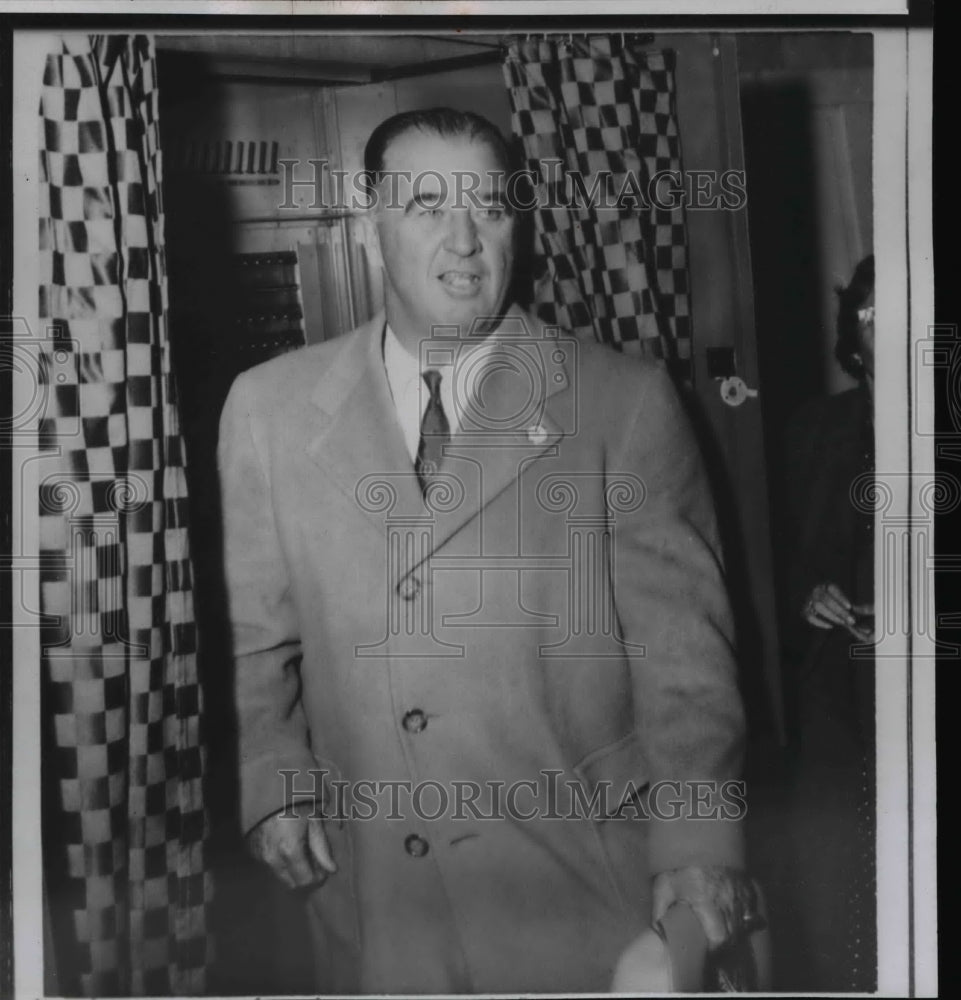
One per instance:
(549, 796)
(553, 187)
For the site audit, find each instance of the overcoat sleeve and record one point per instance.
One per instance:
(671, 597)
(272, 727)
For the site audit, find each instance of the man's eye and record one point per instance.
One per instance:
(431, 210)
(492, 213)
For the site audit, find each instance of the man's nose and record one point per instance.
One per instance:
(461, 235)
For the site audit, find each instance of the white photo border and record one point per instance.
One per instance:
(907, 877)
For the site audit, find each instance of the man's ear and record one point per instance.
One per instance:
(370, 237)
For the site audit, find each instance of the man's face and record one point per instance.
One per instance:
(447, 258)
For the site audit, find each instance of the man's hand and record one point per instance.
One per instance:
(863, 628)
(828, 606)
(723, 899)
(294, 847)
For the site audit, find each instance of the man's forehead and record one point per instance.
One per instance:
(426, 151)
(480, 179)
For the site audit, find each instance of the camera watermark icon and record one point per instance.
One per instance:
(576, 572)
(937, 366)
(502, 374)
(938, 356)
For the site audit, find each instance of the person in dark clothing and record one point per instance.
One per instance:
(830, 461)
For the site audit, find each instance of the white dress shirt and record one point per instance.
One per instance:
(409, 390)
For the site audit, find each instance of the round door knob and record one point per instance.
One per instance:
(415, 845)
(734, 391)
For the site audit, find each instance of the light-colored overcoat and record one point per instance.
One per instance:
(552, 616)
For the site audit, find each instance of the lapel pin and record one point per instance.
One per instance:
(536, 434)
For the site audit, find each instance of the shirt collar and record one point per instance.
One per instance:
(404, 368)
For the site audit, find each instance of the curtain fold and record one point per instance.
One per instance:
(599, 111)
(124, 825)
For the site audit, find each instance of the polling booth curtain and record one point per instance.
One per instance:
(597, 121)
(124, 825)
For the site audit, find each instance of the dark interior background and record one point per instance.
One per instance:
(226, 315)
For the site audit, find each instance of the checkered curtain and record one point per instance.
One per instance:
(124, 823)
(602, 108)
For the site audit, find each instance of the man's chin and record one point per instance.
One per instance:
(471, 316)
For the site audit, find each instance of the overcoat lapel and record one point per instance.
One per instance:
(509, 424)
(357, 440)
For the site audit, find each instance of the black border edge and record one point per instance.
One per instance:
(6, 517)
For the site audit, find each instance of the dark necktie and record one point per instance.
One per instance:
(434, 433)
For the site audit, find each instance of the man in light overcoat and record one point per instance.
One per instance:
(488, 713)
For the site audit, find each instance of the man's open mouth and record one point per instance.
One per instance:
(460, 280)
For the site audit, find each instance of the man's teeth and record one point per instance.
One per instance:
(461, 279)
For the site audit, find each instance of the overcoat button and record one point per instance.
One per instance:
(415, 721)
(408, 588)
(416, 846)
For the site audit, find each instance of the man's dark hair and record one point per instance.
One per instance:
(850, 300)
(444, 122)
